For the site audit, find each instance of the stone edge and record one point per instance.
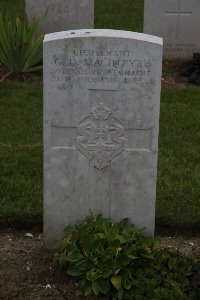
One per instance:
(82, 33)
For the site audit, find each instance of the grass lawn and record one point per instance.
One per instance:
(118, 14)
(11, 7)
(178, 189)
(20, 150)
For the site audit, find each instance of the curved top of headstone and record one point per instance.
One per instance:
(103, 33)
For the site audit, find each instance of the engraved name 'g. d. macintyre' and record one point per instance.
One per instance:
(100, 136)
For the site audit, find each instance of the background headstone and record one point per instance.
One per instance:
(62, 14)
(178, 22)
(101, 119)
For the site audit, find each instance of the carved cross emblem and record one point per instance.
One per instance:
(100, 136)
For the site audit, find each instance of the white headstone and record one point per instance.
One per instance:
(178, 22)
(61, 14)
(101, 119)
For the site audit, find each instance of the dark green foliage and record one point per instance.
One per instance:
(20, 151)
(11, 9)
(20, 47)
(119, 260)
(114, 14)
(178, 185)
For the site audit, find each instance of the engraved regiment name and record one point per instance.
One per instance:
(84, 67)
(100, 136)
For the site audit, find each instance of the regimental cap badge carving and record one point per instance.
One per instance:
(100, 136)
(101, 113)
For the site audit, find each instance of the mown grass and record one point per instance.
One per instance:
(118, 14)
(20, 150)
(11, 7)
(178, 188)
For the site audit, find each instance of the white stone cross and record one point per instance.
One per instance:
(100, 136)
(179, 13)
(136, 139)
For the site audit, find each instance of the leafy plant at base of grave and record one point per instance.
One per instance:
(20, 46)
(117, 259)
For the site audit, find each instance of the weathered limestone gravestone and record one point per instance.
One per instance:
(62, 14)
(178, 22)
(101, 119)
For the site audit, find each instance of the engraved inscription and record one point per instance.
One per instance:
(100, 136)
(85, 67)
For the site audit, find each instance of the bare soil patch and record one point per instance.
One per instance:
(20, 77)
(172, 74)
(27, 270)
